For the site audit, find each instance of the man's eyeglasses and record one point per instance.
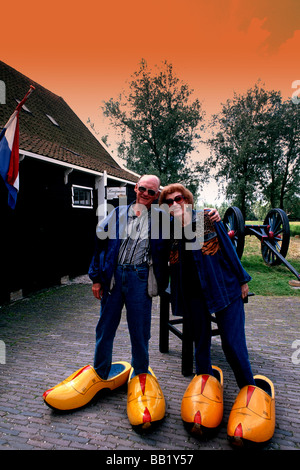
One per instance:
(177, 199)
(151, 192)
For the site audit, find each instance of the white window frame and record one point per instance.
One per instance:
(82, 206)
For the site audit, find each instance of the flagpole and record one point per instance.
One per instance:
(25, 97)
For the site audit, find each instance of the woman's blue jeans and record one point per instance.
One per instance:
(130, 289)
(231, 326)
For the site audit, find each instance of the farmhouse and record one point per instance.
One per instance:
(65, 175)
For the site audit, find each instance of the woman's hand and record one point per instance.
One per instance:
(97, 290)
(245, 290)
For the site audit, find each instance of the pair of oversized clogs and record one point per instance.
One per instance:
(252, 417)
(145, 400)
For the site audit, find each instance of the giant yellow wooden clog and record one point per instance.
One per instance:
(81, 387)
(145, 400)
(202, 403)
(252, 418)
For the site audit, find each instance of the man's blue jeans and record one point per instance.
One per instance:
(131, 290)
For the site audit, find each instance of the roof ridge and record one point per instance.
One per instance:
(72, 141)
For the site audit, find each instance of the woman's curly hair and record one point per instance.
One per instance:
(172, 188)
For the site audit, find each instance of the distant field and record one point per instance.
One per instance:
(271, 280)
(295, 228)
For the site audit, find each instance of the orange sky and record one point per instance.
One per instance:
(86, 53)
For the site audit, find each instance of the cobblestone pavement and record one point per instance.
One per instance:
(46, 337)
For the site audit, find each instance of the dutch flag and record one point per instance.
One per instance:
(9, 153)
(9, 157)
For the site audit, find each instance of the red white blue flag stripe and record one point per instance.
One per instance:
(9, 153)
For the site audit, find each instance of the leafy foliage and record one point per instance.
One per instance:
(159, 125)
(256, 150)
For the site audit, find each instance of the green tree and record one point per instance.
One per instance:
(289, 168)
(280, 156)
(159, 124)
(240, 133)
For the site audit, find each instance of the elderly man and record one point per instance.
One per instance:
(119, 270)
(124, 277)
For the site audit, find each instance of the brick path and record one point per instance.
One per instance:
(51, 334)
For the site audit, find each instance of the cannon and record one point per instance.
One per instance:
(274, 235)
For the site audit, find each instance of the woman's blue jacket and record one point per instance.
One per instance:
(220, 271)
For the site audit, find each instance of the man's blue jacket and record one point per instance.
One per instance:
(110, 233)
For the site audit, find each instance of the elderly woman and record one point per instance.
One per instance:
(206, 277)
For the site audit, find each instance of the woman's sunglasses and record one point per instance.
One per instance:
(151, 192)
(177, 199)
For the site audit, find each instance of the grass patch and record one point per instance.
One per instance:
(270, 280)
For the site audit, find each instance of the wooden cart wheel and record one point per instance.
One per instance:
(279, 236)
(235, 225)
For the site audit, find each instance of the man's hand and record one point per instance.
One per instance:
(214, 215)
(97, 290)
(245, 290)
